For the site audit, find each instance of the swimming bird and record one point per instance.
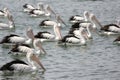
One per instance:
(10, 24)
(44, 36)
(36, 42)
(78, 18)
(21, 66)
(28, 7)
(48, 23)
(74, 39)
(87, 33)
(41, 12)
(108, 29)
(12, 38)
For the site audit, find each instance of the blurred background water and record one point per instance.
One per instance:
(99, 60)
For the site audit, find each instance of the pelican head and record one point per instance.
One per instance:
(40, 6)
(60, 20)
(11, 21)
(37, 45)
(93, 20)
(49, 10)
(86, 15)
(32, 58)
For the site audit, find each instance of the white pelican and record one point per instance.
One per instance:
(78, 18)
(24, 48)
(10, 24)
(36, 42)
(107, 29)
(87, 33)
(21, 66)
(76, 39)
(13, 38)
(47, 22)
(28, 7)
(44, 36)
(41, 12)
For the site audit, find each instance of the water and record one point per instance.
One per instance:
(99, 60)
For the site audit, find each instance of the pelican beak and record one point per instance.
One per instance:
(30, 33)
(49, 8)
(60, 19)
(94, 19)
(58, 32)
(34, 58)
(38, 44)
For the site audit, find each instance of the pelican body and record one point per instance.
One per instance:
(21, 66)
(107, 29)
(13, 38)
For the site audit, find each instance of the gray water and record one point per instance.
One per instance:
(99, 60)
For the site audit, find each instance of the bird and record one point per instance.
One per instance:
(28, 7)
(79, 19)
(44, 36)
(47, 22)
(21, 66)
(87, 27)
(42, 12)
(47, 36)
(22, 49)
(73, 39)
(12, 38)
(10, 24)
(109, 29)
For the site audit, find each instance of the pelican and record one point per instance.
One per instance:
(44, 36)
(13, 38)
(78, 18)
(76, 39)
(22, 49)
(36, 42)
(87, 33)
(107, 29)
(41, 12)
(28, 7)
(47, 22)
(21, 66)
(10, 24)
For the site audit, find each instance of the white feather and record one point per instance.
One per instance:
(79, 18)
(113, 28)
(50, 23)
(24, 49)
(38, 12)
(22, 67)
(49, 36)
(17, 39)
(73, 40)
